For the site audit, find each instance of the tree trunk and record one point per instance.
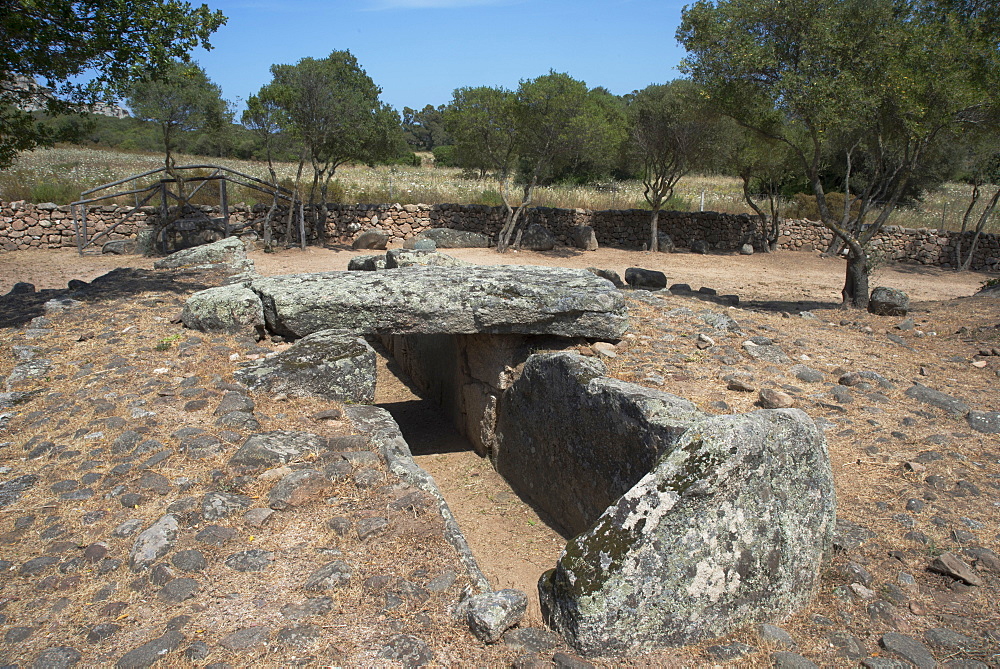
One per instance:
(654, 233)
(855, 291)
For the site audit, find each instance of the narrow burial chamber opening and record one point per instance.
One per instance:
(513, 541)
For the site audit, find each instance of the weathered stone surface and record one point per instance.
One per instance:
(233, 309)
(324, 364)
(275, 448)
(699, 246)
(60, 657)
(746, 250)
(608, 274)
(371, 239)
(987, 422)
(154, 543)
(11, 491)
(177, 590)
(665, 243)
(246, 638)
(954, 566)
(909, 649)
(150, 652)
(298, 488)
(598, 436)
(119, 247)
(366, 263)
(445, 300)
(645, 279)
(731, 527)
(254, 559)
(216, 505)
(408, 650)
(491, 614)
(583, 237)
(331, 575)
(936, 398)
(537, 237)
(770, 398)
(399, 258)
(768, 352)
(229, 251)
(446, 238)
(888, 302)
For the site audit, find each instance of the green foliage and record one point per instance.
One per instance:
(181, 98)
(803, 205)
(444, 156)
(107, 44)
(424, 130)
(868, 86)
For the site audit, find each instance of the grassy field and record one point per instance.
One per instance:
(61, 174)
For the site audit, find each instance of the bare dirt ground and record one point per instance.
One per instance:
(919, 479)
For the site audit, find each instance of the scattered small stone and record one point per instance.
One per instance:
(254, 559)
(258, 517)
(331, 575)
(909, 649)
(60, 657)
(784, 659)
(946, 638)
(729, 651)
(102, 631)
(314, 606)
(246, 638)
(776, 635)
(950, 564)
(17, 634)
(177, 590)
(216, 535)
(153, 543)
(218, 505)
(408, 650)
(189, 560)
(775, 399)
(298, 488)
(491, 614)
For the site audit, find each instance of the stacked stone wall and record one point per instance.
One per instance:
(25, 225)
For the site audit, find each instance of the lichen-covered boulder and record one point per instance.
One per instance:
(445, 300)
(325, 364)
(234, 309)
(421, 257)
(888, 302)
(730, 528)
(574, 441)
(446, 238)
(229, 251)
(537, 238)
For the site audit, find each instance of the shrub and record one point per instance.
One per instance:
(444, 156)
(804, 205)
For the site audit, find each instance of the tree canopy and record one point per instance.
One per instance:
(111, 44)
(868, 84)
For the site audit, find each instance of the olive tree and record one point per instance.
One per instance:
(332, 107)
(526, 136)
(874, 83)
(671, 130)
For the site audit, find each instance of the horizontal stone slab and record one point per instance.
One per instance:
(445, 300)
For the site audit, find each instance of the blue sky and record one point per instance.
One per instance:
(419, 51)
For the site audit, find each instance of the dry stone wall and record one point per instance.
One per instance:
(25, 225)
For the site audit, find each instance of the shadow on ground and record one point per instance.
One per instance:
(17, 309)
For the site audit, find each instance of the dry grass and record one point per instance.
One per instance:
(60, 174)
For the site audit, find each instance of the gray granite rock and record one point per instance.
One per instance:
(366, 263)
(537, 237)
(583, 237)
(246, 638)
(645, 279)
(153, 543)
(445, 300)
(178, 590)
(730, 527)
(254, 559)
(11, 491)
(371, 239)
(298, 488)
(490, 614)
(936, 398)
(402, 258)
(408, 650)
(232, 309)
(446, 238)
(768, 352)
(909, 649)
(987, 422)
(229, 251)
(150, 652)
(324, 364)
(273, 448)
(216, 505)
(888, 302)
(60, 657)
(331, 575)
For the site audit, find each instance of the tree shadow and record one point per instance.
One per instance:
(18, 309)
